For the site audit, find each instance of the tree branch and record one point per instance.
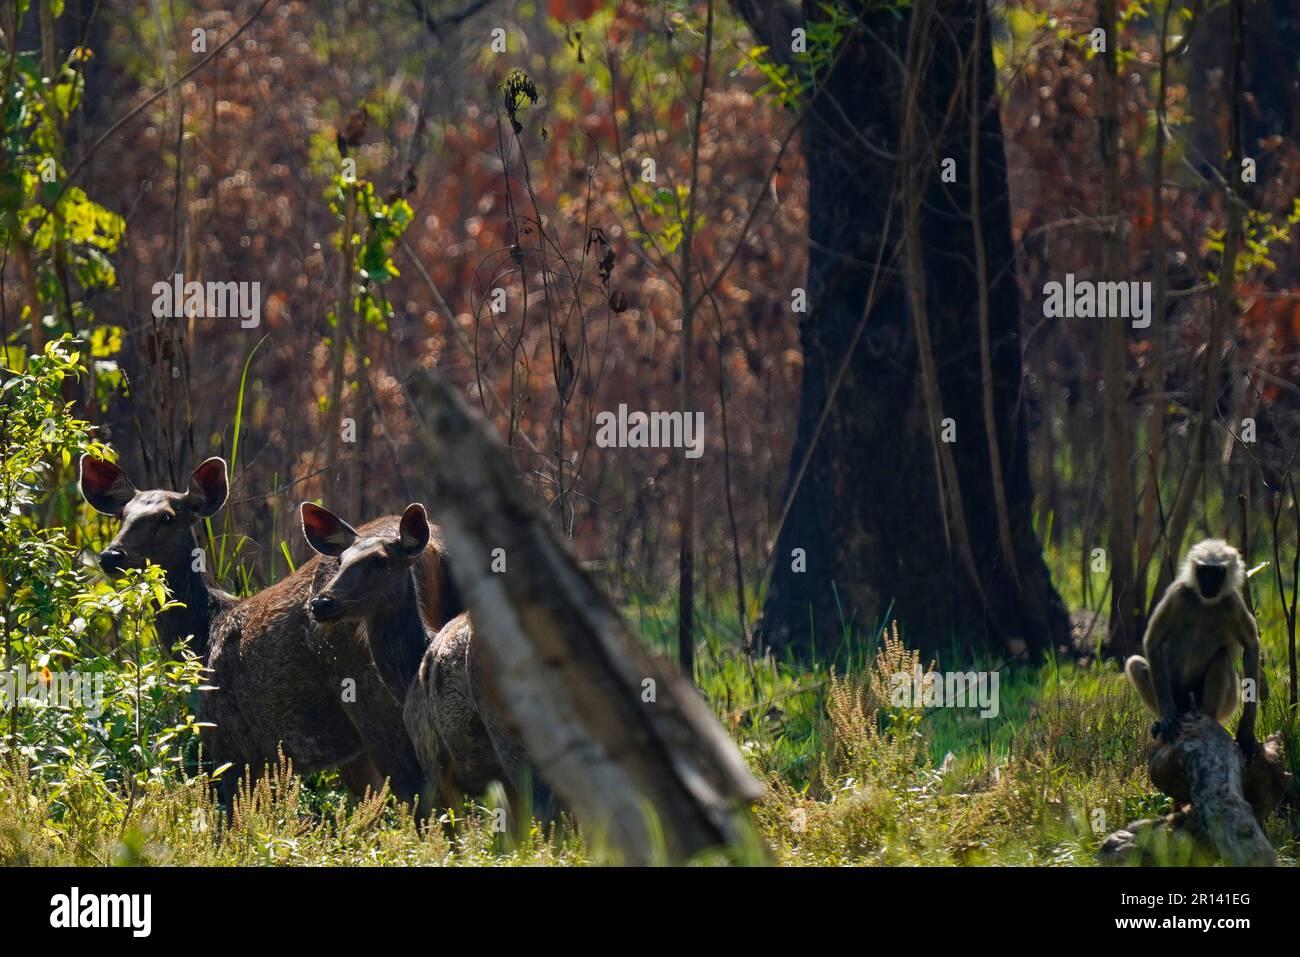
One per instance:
(436, 25)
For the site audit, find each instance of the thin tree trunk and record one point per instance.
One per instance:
(1124, 629)
(1224, 308)
(946, 477)
(27, 271)
(1160, 333)
(986, 346)
(342, 327)
(727, 487)
(686, 555)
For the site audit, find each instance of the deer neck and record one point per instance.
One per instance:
(398, 638)
(203, 602)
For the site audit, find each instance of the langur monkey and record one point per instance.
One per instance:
(1191, 645)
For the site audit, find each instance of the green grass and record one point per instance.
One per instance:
(851, 779)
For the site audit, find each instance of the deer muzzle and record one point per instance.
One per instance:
(112, 559)
(326, 608)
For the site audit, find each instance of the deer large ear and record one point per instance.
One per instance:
(208, 487)
(325, 531)
(414, 529)
(104, 486)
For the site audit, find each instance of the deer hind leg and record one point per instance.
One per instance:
(1139, 672)
(1221, 687)
(361, 774)
(522, 783)
(507, 750)
(420, 716)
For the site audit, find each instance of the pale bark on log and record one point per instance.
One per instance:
(650, 779)
(1213, 766)
(1228, 798)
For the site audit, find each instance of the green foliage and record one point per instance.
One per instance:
(1026, 27)
(35, 209)
(371, 246)
(89, 231)
(664, 213)
(57, 232)
(1260, 232)
(792, 85)
(106, 710)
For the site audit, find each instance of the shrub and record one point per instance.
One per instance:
(91, 703)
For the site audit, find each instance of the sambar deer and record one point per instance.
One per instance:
(281, 678)
(460, 734)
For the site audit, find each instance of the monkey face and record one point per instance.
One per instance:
(1213, 568)
(1209, 581)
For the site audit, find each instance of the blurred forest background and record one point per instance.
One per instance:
(227, 178)
(591, 122)
(230, 176)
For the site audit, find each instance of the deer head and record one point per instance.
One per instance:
(157, 524)
(372, 569)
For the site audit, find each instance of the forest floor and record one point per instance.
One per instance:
(851, 779)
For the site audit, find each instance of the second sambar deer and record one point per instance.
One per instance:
(460, 733)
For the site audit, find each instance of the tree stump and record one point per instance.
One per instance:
(1221, 800)
(622, 738)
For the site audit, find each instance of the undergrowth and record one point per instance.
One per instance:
(851, 779)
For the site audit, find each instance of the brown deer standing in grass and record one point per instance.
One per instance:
(280, 676)
(460, 734)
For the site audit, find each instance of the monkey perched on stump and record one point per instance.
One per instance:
(1191, 645)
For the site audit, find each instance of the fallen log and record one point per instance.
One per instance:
(1220, 800)
(621, 737)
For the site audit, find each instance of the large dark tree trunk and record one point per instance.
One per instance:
(868, 513)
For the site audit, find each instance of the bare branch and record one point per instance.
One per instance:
(436, 25)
